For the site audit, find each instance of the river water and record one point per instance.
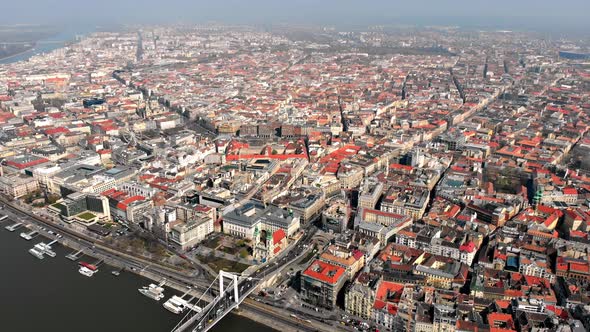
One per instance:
(49, 44)
(50, 295)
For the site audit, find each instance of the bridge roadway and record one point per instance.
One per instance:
(223, 304)
(217, 309)
(138, 264)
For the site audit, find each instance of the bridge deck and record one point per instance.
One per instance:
(215, 310)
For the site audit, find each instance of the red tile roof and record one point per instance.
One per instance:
(387, 288)
(324, 272)
(468, 247)
(570, 191)
(58, 130)
(278, 236)
(133, 199)
(401, 167)
(502, 318)
(579, 267)
(357, 254)
(23, 165)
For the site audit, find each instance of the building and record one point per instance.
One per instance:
(134, 188)
(370, 195)
(385, 307)
(462, 251)
(406, 201)
(350, 260)
(84, 208)
(244, 220)
(423, 319)
(577, 269)
(335, 217)
(501, 321)
(43, 173)
(441, 272)
(49, 152)
(21, 162)
(444, 319)
(17, 186)
(265, 248)
(305, 202)
(72, 176)
(380, 225)
(191, 225)
(360, 295)
(125, 207)
(321, 282)
(350, 176)
(536, 265)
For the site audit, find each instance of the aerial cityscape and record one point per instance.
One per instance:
(287, 176)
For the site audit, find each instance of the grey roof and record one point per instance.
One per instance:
(252, 213)
(78, 172)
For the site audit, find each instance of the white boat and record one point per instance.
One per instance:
(86, 271)
(44, 248)
(115, 273)
(152, 291)
(177, 305)
(36, 253)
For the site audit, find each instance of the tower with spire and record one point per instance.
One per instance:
(538, 196)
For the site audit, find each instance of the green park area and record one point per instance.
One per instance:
(218, 263)
(86, 216)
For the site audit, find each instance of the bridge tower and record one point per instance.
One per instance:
(234, 283)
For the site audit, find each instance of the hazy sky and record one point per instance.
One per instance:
(539, 13)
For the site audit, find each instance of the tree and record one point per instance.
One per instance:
(244, 253)
(52, 198)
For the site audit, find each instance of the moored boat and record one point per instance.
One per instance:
(36, 253)
(152, 291)
(86, 271)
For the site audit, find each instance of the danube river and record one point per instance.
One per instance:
(50, 295)
(49, 44)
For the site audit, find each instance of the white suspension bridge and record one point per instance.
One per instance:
(229, 297)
